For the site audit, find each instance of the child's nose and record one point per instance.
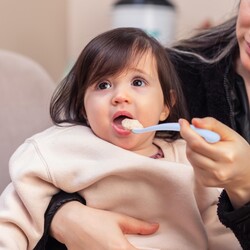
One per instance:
(121, 96)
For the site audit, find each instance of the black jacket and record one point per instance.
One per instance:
(218, 91)
(215, 91)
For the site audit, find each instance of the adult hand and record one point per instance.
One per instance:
(80, 227)
(223, 164)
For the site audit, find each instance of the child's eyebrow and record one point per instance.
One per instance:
(139, 71)
(143, 73)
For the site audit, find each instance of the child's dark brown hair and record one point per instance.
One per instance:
(108, 54)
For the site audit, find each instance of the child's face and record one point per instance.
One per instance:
(135, 93)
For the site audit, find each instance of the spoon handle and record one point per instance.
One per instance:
(208, 135)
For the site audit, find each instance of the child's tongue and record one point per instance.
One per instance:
(118, 121)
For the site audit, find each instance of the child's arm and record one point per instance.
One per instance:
(35, 179)
(24, 202)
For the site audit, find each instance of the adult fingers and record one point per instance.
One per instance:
(130, 225)
(212, 124)
(195, 143)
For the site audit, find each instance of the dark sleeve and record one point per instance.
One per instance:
(237, 220)
(47, 242)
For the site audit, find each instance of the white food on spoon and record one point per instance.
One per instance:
(130, 124)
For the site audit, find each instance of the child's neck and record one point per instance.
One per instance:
(153, 151)
(159, 153)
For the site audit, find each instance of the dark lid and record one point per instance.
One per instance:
(155, 2)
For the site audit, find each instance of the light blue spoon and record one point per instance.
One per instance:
(208, 135)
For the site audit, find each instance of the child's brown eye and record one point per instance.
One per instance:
(138, 83)
(104, 85)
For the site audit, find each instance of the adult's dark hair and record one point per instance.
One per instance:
(106, 55)
(221, 39)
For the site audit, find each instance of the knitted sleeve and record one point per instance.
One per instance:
(237, 220)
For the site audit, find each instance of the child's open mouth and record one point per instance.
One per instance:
(118, 121)
(124, 124)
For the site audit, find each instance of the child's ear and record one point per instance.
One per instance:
(85, 116)
(172, 97)
(164, 114)
(166, 110)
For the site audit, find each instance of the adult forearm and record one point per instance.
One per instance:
(57, 201)
(238, 220)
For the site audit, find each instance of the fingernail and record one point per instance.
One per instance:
(180, 121)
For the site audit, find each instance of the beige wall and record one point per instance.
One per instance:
(86, 20)
(191, 13)
(36, 29)
(53, 32)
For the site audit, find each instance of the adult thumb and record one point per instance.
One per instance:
(224, 131)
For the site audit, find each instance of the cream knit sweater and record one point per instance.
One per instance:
(75, 160)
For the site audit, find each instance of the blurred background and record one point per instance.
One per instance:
(53, 33)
